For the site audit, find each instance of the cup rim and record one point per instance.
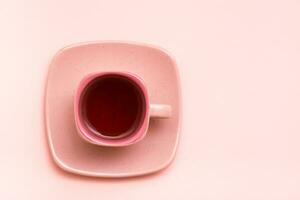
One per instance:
(98, 139)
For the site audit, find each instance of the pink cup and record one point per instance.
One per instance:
(113, 109)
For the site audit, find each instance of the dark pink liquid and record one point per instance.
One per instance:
(112, 106)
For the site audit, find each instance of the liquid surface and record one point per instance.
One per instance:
(112, 106)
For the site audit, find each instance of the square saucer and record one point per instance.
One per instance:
(159, 72)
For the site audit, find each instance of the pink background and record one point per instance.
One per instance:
(239, 63)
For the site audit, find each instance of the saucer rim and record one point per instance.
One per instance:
(66, 167)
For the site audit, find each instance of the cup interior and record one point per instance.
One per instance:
(112, 106)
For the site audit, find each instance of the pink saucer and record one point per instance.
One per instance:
(69, 151)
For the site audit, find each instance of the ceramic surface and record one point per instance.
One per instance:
(159, 73)
(136, 135)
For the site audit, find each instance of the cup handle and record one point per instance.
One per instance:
(160, 111)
